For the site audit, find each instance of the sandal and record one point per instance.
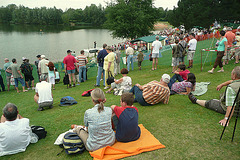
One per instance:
(220, 71)
(210, 71)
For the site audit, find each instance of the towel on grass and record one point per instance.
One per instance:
(146, 142)
(201, 88)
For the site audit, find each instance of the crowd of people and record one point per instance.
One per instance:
(101, 121)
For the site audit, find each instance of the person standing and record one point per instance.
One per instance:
(192, 45)
(69, 65)
(182, 49)
(82, 61)
(230, 39)
(237, 51)
(100, 60)
(36, 64)
(117, 62)
(1, 82)
(156, 46)
(221, 51)
(26, 69)
(108, 64)
(140, 59)
(8, 75)
(15, 70)
(43, 71)
(129, 55)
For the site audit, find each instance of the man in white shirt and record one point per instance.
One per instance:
(156, 46)
(129, 54)
(192, 45)
(43, 96)
(15, 132)
(42, 68)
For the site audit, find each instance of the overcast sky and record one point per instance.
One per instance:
(63, 4)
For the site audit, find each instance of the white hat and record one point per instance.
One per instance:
(42, 56)
(229, 28)
(24, 58)
(166, 78)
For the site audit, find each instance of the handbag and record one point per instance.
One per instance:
(76, 72)
(150, 57)
(110, 78)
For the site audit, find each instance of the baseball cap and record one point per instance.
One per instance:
(166, 78)
(38, 56)
(42, 56)
(6, 59)
(24, 58)
(68, 51)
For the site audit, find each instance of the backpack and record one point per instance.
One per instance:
(26, 69)
(67, 101)
(73, 144)
(182, 49)
(39, 131)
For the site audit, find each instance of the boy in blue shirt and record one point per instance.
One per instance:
(125, 118)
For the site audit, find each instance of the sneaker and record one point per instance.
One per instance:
(96, 85)
(106, 87)
(28, 88)
(70, 86)
(74, 85)
(210, 71)
(220, 71)
(101, 79)
(78, 84)
(50, 107)
(40, 109)
(33, 88)
(192, 98)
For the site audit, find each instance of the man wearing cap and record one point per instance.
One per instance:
(153, 92)
(42, 68)
(69, 65)
(15, 70)
(26, 69)
(156, 46)
(36, 64)
(230, 39)
(129, 54)
(8, 75)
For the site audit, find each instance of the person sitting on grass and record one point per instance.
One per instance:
(124, 83)
(99, 132)
(125, 119)
(225, 104)
(184, 87)
(153, 92)
(43, 96)
(15, 132)
(180, 75)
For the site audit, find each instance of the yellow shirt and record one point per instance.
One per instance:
(107, 59)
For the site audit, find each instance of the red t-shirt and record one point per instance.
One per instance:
(184, 74)
(69, 60)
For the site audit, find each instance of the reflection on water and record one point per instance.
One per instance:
(17, 41)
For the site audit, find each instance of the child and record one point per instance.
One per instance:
(140, 59)
(125, 119)
(175, 56)
(57, 78)
(180, 74)
(51, 74)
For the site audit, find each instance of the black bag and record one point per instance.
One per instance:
(150, 57)
(73, 144)
(110, 78)
(39, 131)
(66, 79)
(76, 72)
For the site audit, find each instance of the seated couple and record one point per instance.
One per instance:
(15, 132)
(225, 104)
(98, 121)
(186, 81)
(122, 85)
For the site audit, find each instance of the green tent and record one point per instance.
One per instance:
(148, 39)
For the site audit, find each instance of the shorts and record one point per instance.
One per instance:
(8, 79)
(181, 59)
(28, 78)
(175, 61)
(215, 105)
(45, 104)
(52, 80)
(190, 55)
(155, 55)
(16, 80)
(44, 76)
(71, 71)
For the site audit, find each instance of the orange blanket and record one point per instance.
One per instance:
(146, 142)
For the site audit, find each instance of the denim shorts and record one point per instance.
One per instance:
(71, 71)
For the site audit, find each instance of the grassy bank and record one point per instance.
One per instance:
(187, 130)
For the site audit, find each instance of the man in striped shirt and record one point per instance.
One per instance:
(153, 92)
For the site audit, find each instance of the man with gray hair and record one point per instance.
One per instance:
(42, 68)
(153, 92)
(43, 96)
(225, 104)
(15, 132)
(156, 46)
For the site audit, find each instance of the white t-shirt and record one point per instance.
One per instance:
(156, 46)
(126, 83)
(15, 136)
(44, 91)
(192, 44)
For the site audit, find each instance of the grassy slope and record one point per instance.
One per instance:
(187, 130)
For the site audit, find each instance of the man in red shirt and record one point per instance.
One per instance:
(230, 39)
(69, 65)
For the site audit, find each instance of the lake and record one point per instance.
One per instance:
(17, 41)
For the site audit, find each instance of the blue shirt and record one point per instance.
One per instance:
(101, 55)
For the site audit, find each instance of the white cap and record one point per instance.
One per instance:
(166, 78)
(24, 58)
(42, 56)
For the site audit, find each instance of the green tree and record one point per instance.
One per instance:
(130, 18)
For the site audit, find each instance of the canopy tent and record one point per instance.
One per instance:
(148, 39)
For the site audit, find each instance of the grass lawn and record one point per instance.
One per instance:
(187, 130)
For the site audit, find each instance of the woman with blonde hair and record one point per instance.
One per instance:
(108, 65)
(97, 120)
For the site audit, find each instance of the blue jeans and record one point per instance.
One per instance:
(174, 78)
(20, 80)
(99, 74)
(129, 58)
(82, 73)
(138, 96)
